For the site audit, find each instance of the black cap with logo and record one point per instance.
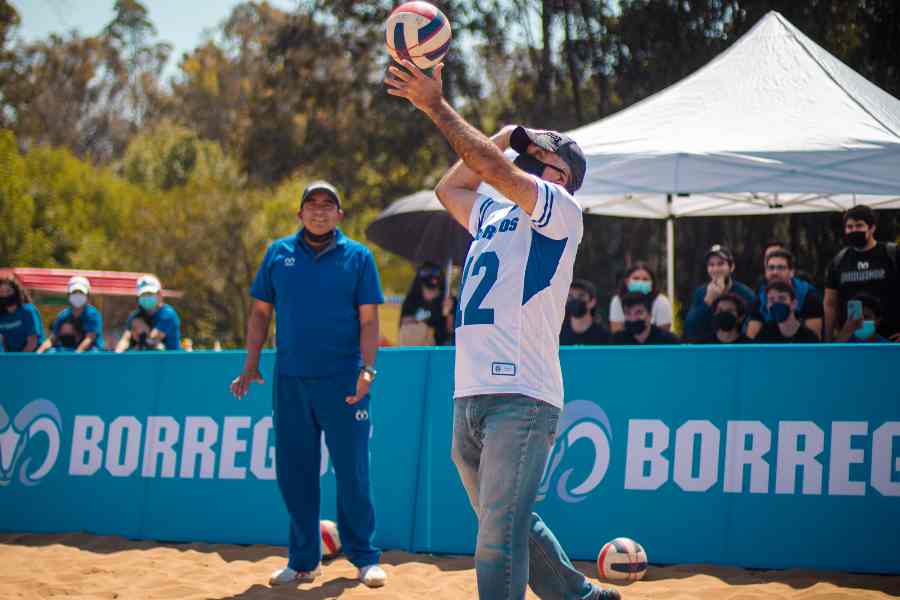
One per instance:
(553, 141)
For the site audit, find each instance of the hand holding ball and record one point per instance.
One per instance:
(418, 32)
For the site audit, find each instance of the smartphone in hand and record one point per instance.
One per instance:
(854, 309)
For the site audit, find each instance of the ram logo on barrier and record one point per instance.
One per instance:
(37, 417)
(581, 419)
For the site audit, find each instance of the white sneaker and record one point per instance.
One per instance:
(373, 576)
(288, 575)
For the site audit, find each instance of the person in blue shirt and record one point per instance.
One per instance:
(164, 320)
(69, 336)
(698, 325)
(90, 321)
(21, 329)
(780, 267)
(325, 289)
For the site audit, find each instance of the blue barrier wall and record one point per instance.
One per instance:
(756, 456)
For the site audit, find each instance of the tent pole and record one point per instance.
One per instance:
(670, 249)
(448, 277)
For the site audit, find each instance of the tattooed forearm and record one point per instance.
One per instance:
(474, 148)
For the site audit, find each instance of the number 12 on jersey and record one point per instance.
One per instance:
(473, 313)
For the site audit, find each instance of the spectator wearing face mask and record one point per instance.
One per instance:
(580, 327)
(785, 327)
(639, 278)
(89, 319)
(780, 267)
(69, 335)
(864, 329)
(426, 317)
(865, 266)
(728, 315)
(164, 321)
(21, 329)
(140, 329)
(639, 330)
(720, 268)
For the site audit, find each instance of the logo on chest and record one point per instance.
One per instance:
(289, 261)
(489, 231)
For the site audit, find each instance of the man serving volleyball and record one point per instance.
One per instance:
(508, 390)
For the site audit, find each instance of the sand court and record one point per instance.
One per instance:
(83, 567)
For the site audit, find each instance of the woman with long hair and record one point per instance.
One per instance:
(639, 278)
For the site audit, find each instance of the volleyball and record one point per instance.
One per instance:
(622, 559)
(418, 32)
(331, 541)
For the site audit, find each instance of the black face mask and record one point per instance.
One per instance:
(857, 239)
(725, 321)
(317, 238)
(635, 327)
(68, 341)
(577, 308)
(7, 301)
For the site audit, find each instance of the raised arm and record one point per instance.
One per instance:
(458, 188)
(485, 159)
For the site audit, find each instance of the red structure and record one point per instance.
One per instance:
(103, 283)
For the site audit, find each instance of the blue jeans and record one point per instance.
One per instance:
(500, 447)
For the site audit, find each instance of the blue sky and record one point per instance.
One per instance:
(179, 22)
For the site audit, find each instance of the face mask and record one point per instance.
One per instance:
(635, 327)
(857, 239)
(577, 308)
(147, 302)
(7, 301)
(866, 331)
(641, 287)
(780, 311)
(724, 321)
(530, 164)
(68, 341)
(77, 299)
(316, 238)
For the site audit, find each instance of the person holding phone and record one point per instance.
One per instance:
(698, 324)
(864, 314)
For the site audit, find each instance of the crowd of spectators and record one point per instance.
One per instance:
(152, 325)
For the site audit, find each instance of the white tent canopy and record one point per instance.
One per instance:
(775, 124)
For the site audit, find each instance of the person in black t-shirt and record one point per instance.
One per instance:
(728, 314)
(780, 267)
(864, 267)
(638, 328)
(785, 327)
(426, 308)
(580, 327)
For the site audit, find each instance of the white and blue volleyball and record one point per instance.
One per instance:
(418, 32)
(622, 560)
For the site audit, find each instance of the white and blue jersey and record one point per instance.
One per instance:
(513, 293)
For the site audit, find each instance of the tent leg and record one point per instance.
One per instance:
(670, 257)
(448, 277)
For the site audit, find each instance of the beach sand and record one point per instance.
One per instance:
(81, 566)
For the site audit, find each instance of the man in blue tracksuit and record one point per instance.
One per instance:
(325, 290)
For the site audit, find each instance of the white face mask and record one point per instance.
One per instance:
(77, 299)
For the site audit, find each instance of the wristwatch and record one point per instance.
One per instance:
(369, 373)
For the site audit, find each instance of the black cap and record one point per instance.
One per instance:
(722, 252)
(556, 142)
(321, 186)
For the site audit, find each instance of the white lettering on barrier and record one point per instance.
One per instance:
(790, 457)
(161, 435)
(737, 456)
(842, 456)
(640, 454)
(200, 433)
(884, 464)
(262, 454)
(86, 458)
(684, 456)
(231, 447)
(127, 431)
